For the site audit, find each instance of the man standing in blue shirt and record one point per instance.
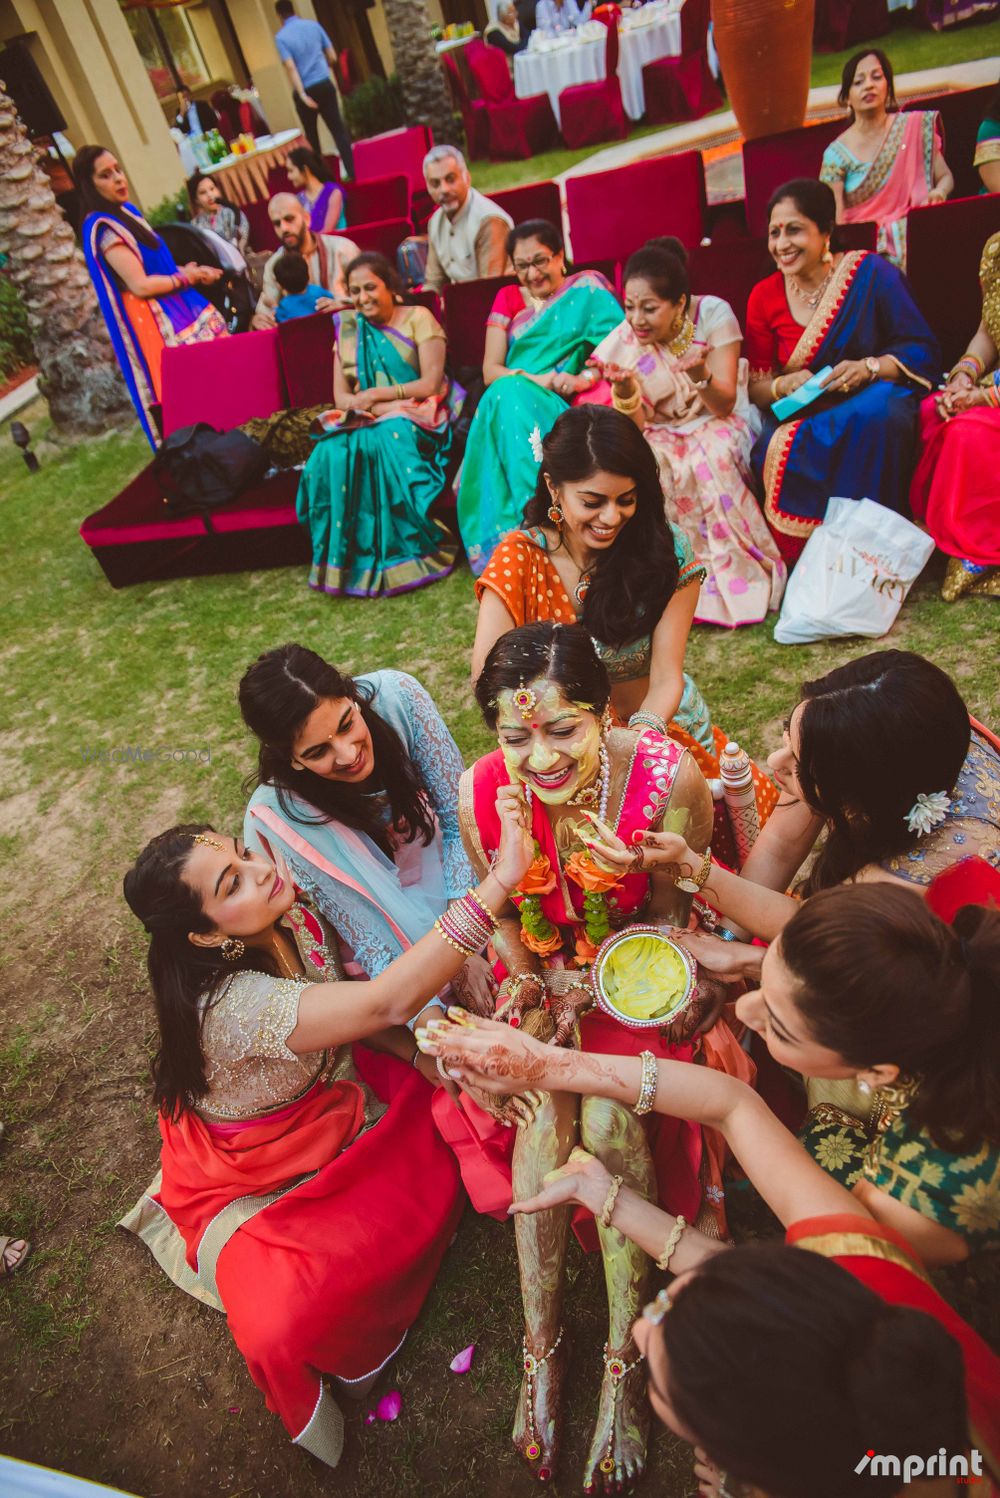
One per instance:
(308, 55)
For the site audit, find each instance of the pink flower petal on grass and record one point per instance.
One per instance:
(370, 1418)
(462, 1361)
(389, 1406)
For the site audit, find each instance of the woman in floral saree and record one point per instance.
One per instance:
(886, 162)
(539, 337)
(148, 303)
(854, 313)
(382, 459)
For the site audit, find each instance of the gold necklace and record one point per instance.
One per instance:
(684, 339)
(812, 298)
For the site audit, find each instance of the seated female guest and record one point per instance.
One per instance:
(209, 211)
(886, 162)
(367, 489)
(955, 493)
(826, 1406)
(317, 1234)
(596, 547)
(987, 158)
(854, 313)
(506, 33)
(148, 303)
(675, 369)
(539, 337)
(321, 197)
(357, 789)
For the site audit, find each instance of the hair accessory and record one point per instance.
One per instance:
(535, 438)
(207, 842)
(655, 1311)
(608, 1210)
(647, 1085)
(927, 811)
(676, 1233)
(525, 700)
(232, 949)
(532, 1364)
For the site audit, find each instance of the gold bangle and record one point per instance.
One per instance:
(629, 405)
(607, 1211)
(775, 392)
(693, 884)
(676, 1233)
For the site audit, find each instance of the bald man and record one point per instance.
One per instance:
(327, 256)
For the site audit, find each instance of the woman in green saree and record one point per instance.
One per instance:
(382, 457)
(539, 336)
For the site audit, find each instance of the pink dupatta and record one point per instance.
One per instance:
(899, 178)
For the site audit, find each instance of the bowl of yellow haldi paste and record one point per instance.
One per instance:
(642, 978)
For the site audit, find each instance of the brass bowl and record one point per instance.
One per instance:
(603, 968)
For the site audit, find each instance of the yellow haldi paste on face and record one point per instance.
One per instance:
(645, 978)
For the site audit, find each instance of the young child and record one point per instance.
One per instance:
(298, 298)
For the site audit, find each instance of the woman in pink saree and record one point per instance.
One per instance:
(886, 162)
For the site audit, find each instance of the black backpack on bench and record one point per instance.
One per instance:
(198, 468)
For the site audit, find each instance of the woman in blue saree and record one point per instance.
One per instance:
(539, 336)
(357, 788)
(854, 313)
(147, 301)
(367, 490)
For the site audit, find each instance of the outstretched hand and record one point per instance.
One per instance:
(583, 1179)
(486, 1055)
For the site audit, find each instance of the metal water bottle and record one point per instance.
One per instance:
(740, 799)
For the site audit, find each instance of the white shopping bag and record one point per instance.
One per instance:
(853, 574)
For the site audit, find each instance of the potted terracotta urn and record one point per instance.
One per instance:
(765, 51)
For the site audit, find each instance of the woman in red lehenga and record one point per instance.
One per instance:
(304, 1189)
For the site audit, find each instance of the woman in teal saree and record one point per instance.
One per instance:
(539, 336)
(382, 456)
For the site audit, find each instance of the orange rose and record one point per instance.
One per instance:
(589, 875)
(539, 880)
(585, 949)
(544, 946)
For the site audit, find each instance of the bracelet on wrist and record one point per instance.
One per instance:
(643, 718)
(648, 1083)
(673, 1238)
(607, 1211)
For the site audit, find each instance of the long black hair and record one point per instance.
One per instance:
(880, 978)
(851, 67)
(308, 160)
(277, 694)
(563, 653)
(91, 201)
(778, 1363)
(873, 735)
(632, 581)
(186, 979)
(813, 199)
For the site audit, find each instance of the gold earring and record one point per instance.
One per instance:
(232, 949)
(554, 511)
(827, 254)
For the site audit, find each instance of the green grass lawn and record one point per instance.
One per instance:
(109, 1371)
(911, 48)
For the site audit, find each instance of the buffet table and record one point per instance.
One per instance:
(243, 179)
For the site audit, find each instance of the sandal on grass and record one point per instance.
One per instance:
(6, 1244)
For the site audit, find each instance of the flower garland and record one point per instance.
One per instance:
(538, 933)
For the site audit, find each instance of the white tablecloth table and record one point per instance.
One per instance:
(243, 179)
(552, 65)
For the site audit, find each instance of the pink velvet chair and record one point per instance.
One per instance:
(682, 88)
(262, 235)
(395, 151)
(730, 269)
(944, 244)
(839, 24)
(475, 120)
(613, 213)
(518, 128)
(223, 382)
(377, 198)
(384, 235)
(466, 307)
(593, 112)
(773, 159)
(533, 200)
(305, 349)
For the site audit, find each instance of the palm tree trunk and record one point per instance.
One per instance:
(79, 374)
(418, 67)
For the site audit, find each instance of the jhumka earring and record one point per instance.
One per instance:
(827, 254)
(554, 511)
(232, 949)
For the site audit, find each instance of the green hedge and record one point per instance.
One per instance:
(16, 349)
(374, 106)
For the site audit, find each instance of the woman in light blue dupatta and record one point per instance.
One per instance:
(539, 337)
(357, 786)
(382, 461)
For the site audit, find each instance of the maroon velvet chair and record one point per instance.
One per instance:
(223, 382)
(428, 299)
(593, 112)
(772, 160)
(262, 235)
(384, 235)
(944, 244)
(533, 200)
(859, 236)
(682, 88)
(475, 120)
(394, 151)
(518, 128)
(377, 198)
(333, 167)
(305, 348)
(839, 24)
(466, 307)
(278, 180)
(613, 213)
(961, 112)
(730, 269)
